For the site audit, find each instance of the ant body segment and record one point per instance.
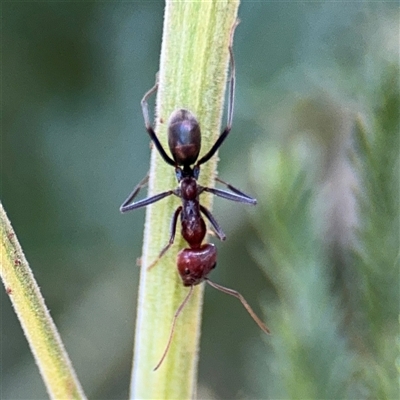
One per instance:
(184, 141)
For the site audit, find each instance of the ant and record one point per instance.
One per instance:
(184, 141)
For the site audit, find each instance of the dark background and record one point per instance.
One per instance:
(73, 145)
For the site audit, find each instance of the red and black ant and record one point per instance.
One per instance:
(184, 141)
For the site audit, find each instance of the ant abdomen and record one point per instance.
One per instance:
(195, 264)
(184, 137)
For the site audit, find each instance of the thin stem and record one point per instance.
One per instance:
(192, 74)
(40, 330)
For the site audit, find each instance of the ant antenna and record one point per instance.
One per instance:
(236, 294)
(178, 311)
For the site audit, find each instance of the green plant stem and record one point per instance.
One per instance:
(40, 331)
(192, 75)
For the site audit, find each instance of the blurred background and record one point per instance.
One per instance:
(315, 140)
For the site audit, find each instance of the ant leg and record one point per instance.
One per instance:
(144, 202)
(237, 191)
(231, 101)
(149, 127)
(171, 238)
(240, 198)
(135, 191)
(177, 312)
(246, 305)
(232, 79)
(211, 232)
(221, 235)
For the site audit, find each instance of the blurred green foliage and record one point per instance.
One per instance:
(315, 139)
(334, 340)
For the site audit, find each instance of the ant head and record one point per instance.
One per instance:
(184, 137)
(195, 264)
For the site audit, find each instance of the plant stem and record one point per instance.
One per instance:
(192, 75)
(40, 331)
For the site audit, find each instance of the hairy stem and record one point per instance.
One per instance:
(192, 75)
(40, 331)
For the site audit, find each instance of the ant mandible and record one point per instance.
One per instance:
(184, 141)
